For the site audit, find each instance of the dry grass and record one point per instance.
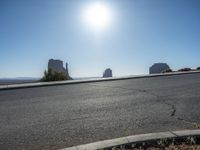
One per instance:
(185, 143)
(172, 147)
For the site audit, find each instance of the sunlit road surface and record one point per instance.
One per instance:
(56, 117)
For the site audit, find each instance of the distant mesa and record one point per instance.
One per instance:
(57, 66)
(158, 68)
(107, 73)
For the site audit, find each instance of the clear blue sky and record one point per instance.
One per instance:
(142, 33)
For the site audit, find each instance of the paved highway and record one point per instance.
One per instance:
(56, 117)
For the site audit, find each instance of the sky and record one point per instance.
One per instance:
(140, 33)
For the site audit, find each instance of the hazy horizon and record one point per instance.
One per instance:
(138, 34)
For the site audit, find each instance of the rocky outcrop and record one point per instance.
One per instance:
(57, 66)
(158, 68)
(107, 73)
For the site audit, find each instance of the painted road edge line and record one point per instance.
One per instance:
(40, 84)
(134, 139)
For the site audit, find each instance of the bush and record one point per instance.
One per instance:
(198, 68)
(53, 76)
(185, 69)
(167, 70)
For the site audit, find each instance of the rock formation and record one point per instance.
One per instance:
(107, 73)
(57, 66)
(158, 68)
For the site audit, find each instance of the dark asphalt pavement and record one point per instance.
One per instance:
(56, 117)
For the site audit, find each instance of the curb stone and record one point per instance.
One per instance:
(41, 84)
(106, 144)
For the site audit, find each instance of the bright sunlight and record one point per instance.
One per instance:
(97, 16)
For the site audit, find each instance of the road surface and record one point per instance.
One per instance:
(56, 117)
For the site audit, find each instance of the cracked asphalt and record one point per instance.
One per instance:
(56, 117)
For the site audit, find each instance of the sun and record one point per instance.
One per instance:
(97, 16)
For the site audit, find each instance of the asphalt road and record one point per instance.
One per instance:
(56, 117)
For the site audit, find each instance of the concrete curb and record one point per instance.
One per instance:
(134, 139)
(40, 84)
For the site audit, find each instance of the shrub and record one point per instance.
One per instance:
(53, 76)
(185, 69)
(167, 70)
